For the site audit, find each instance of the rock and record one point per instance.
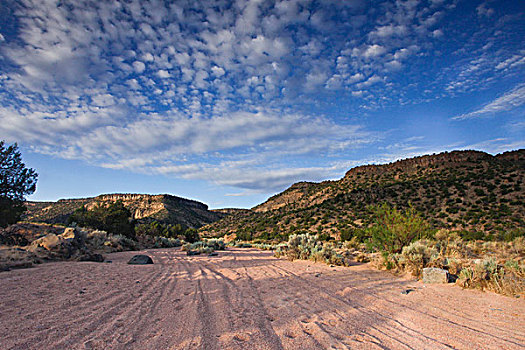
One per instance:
(140, 260)
(49, 242)
(435, 275)
(407, 291)
(213, 254)
(69, 232)
(192, 252)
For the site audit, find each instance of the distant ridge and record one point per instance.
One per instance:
(164, 208)
(463, 190)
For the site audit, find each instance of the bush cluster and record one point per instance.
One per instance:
(158, 229)
(496, 266)
(204, 247)
(309, 247)
(114, 219)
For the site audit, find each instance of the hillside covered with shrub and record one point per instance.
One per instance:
(477, 194)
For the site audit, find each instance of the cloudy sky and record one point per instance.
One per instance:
(229, 102)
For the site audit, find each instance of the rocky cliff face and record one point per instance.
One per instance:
(164, 208)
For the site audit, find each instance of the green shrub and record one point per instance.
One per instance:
(417, 256)
(191, 235)
(308, 247)
(196, 248)
(165, 242)
(324, 237)
(114, 219)
(121, 243)
(264, 246)
(216, 244)
(157, 229)
(393, 229)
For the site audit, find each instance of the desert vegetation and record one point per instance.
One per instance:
(205, 246)
(473, 193)
(402, 242)
(462, 212)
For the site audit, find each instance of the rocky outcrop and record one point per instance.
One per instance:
(70, 245)
(164, 208)
(35, 244)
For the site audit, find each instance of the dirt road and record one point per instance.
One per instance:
(244, 299)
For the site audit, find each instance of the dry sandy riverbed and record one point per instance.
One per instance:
(244, 299)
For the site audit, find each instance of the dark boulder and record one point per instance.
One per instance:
(140, 260)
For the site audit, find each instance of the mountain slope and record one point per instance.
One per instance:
(164, 208)
(463, 190)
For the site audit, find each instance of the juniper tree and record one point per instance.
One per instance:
(16, 181)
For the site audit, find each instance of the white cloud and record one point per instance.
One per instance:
(148, 57)
(133, 83)
(512, 62)
(438, 33)
(155, 143)
(373, 51)
(139, 66)
(389, 30)
(232, 44)
(356, 77)
(484, 10)
(217, 71)
(163, 74)
(255, 179)
(497, 145)
(315, 79)
(394, 65)
(86, 82)
(508, 101)
(103, 100)
(402, 54)
(370, 81)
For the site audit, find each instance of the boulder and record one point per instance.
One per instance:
(435, 275)
(140, 260)
(49, 242)
(69, 232)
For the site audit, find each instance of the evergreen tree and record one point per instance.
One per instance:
(16, 181)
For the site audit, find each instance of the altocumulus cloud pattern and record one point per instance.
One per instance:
(252, 94)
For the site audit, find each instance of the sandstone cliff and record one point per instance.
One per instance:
(164, 208)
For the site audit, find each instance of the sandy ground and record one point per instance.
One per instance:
(244, 299)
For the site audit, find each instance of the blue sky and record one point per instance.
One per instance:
(229, 102)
